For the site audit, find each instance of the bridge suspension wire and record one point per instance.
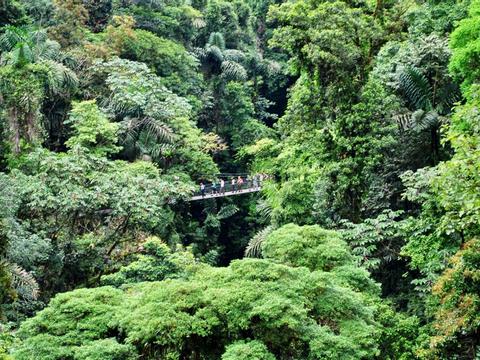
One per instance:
(223, 175)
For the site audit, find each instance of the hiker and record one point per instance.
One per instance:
(234, 188)
(202, 189)
(222, 186)
(248, 181)
(255, 182)
(240, 183)
(214, 187)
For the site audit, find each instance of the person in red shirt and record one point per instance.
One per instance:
(239, 183)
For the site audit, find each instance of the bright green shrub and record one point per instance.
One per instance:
(309, 246)
(249, 350)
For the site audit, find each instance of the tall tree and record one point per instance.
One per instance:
(219, 66)
(32, 69)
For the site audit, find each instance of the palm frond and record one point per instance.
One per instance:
(22, 54)
(233, 71)
(404, 121)
(156, 129)
(426, 120)
(48, 50)
(11, 37)
(234, 55)
(254, 247)
(129, 131)
(146, 136)
(416, 88)
(217, 39)
(60, 77)
(19, 44)
(447, 97)
(37, 36)
(227, 211)
(200, 53)
(24, 283)
(264, 210)
(198, 23)
(157, 151)
(214, 54)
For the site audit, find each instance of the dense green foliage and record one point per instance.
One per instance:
(308, 313)
(362, 244)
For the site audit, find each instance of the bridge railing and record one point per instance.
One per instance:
(210, 189)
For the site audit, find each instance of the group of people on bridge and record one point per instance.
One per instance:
(233, 184)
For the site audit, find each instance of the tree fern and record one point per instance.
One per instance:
(405, 122)
(146, 136)
(216, 60)
(24, 45)
(429, 105)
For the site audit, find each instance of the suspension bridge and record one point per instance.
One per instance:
(249, 184)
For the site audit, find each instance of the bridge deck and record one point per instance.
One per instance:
(227, 193)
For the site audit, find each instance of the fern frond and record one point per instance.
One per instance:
(233, 71)
(200, 53)
(447, 97)
(254, 247)
(404, 121)
(60, 77)
(227, 211)
(156, 129)
(264, 210)
(24, 283)
(214, 54)
(217, 39)
(416, 87)
(199, 23)
(234, 55)
(426, 120)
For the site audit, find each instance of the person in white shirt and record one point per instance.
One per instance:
(222, 186)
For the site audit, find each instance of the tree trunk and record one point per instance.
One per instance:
(14, 130)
